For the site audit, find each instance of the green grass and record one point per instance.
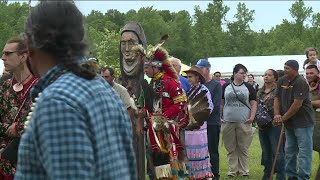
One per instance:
(256, 170)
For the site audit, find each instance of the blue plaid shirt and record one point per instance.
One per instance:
(79, 130)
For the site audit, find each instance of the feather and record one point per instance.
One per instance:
(198, 109)
(163, 39)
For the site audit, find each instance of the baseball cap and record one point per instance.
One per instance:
(203, 63)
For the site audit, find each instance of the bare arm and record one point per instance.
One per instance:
(253, 111)
(276, 106)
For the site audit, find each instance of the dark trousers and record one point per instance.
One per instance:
(213, 132)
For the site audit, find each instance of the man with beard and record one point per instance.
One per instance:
(131, 65)
(14, 103)
(312, 75)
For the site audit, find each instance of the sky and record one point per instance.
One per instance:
(267, 13)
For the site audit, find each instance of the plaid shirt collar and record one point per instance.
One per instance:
(52, 75)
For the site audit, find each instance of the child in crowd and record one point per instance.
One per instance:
(312, 58)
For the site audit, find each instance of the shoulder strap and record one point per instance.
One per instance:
(238, 97)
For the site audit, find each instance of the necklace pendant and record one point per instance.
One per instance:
(17, 87)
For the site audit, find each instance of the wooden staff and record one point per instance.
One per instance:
(277, 152)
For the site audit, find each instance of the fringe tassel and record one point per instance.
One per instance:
(163, 171)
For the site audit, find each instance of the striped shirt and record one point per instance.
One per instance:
(79, 130)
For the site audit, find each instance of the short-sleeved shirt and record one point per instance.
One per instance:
(287, 92)
(123, 93)
(236, 109)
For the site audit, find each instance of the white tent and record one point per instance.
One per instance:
(256, 65)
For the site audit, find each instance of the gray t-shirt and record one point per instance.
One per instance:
(296, 89)
(234, 109)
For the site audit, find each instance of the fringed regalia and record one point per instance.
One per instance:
(165, 103)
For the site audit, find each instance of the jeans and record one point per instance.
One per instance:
(299, 152)
(213, 132)
(269, 141)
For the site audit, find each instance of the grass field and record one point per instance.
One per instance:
(256, 170)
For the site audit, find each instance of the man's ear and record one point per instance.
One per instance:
(25, 57)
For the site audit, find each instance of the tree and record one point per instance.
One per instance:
(107, 51)
(180, 43)
(152, 23)
(240, 35)
(12, 17)
(315, 30)
(300, 14)
(116, 17)
(216, 13)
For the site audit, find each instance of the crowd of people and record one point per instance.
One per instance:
(63, 116)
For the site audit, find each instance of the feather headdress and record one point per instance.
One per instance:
(157, 56)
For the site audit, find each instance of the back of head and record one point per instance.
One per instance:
(56, 28)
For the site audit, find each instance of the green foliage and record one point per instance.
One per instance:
(12, 18)
(107, 51)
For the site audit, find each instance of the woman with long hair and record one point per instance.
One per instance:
(269, 134)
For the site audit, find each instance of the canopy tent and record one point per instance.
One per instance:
(256, 65)
(184, 68)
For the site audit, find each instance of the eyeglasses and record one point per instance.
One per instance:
(7, 53)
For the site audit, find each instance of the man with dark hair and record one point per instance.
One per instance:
(78, 128)
(14, 102)
(108, 74)
(217, 76)
(312, 75)
(292, 107)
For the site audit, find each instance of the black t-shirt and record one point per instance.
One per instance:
(296, 89)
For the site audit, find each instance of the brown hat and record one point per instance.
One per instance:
(198, 71)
